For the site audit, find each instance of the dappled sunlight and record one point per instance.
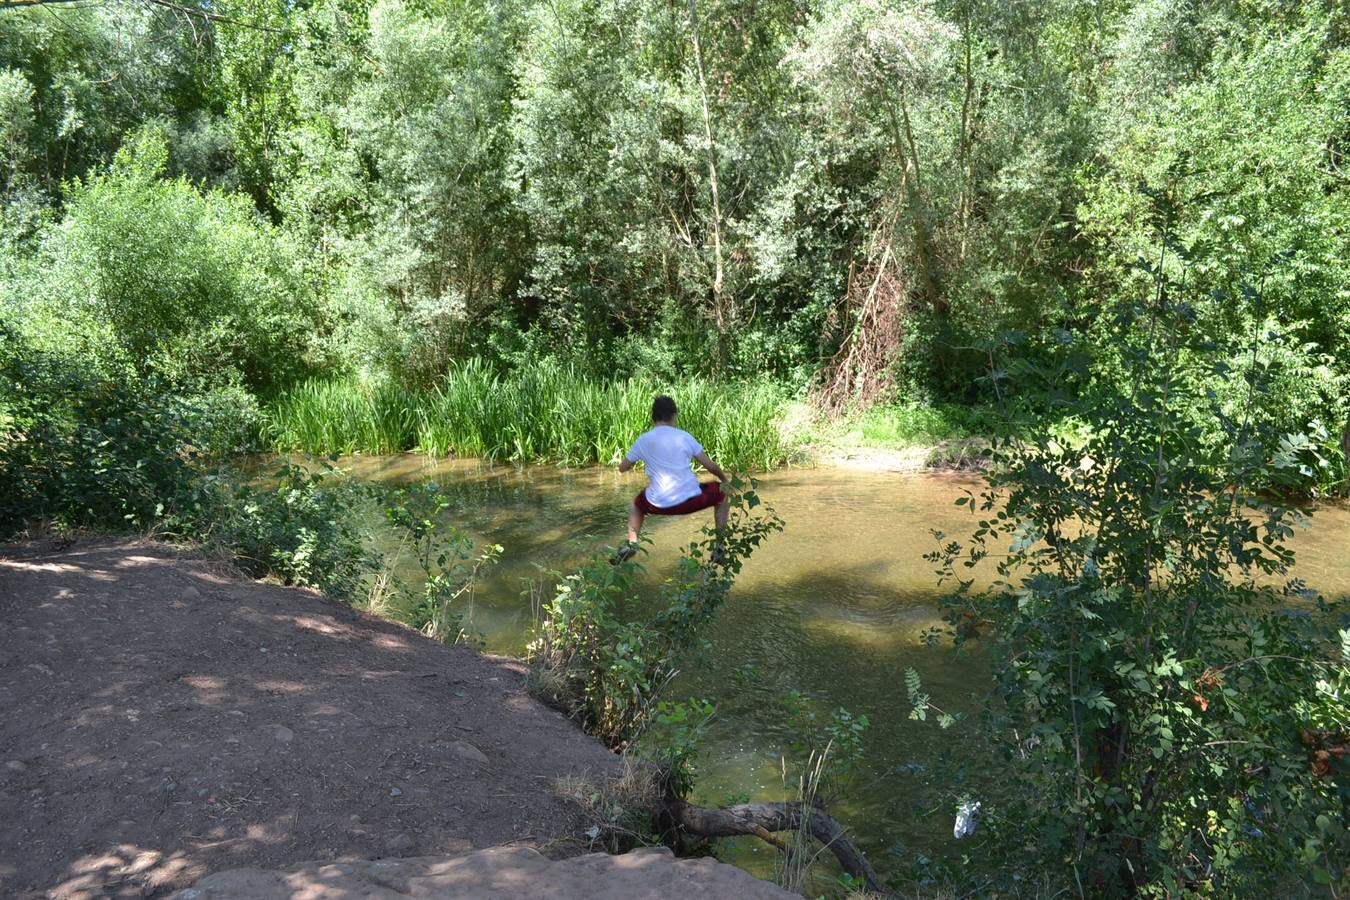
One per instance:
(37, 567)
(324, 709)
(204, 724)
(93, 717)
(312, 623)
(203, 682)
(388, 642)
(123, 868)
(868, 632)
(135, 561)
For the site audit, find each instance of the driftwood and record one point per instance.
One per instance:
(762, 819)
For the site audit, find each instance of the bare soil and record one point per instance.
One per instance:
(160, 719)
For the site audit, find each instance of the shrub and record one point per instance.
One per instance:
(301, 530)
(444, 556)
(1153, 685)
(82, 448)
(608, 667)
(190, 283)
(114, 450)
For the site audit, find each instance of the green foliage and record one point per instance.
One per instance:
(444, 556)
(544, 413)
(921, 704)
(92, 76)
(671, 742)
(190, 284)
(488, 228)
(77, 452)
(608, 665)
(344, 417)
(85, 443)
(836, 738)
(1153, 682)
(899, 425)
(80, 449)
(1268, 201)
(300, 529)
(400, 162)
(903, 186)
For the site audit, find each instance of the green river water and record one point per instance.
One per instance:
(833, 607)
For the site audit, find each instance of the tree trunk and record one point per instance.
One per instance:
(761, 818)
(720, 312)
(917, 202)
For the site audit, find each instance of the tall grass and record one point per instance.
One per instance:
(344, 416)
(548, 413)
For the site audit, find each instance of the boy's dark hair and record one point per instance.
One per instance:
(663, 409)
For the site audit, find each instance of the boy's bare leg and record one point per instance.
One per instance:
(635, 518)
(720, 520)
(628, 549)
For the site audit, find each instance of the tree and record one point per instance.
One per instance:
(1158, 696)
(1250, 154)
(191, 285)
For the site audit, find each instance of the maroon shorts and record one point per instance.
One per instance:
(710, 494)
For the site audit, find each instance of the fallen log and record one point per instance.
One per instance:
(758, 818)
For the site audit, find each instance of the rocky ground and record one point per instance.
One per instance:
(160, 720)
(499, 873)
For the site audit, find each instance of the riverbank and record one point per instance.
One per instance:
(162, 720)
(552, 415)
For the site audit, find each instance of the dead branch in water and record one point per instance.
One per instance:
(757, 818)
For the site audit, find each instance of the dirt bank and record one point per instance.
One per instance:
(160, 720)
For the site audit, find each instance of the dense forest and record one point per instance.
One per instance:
(861, 201)
(1110, 236)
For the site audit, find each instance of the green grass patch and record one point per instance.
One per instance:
(547, 413)
(901, 425)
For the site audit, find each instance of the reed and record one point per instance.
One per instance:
(548, 413)
(344, 416)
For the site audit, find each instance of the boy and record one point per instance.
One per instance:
(672, 489)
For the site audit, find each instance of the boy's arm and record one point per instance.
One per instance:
(632, 457)
(711, 466)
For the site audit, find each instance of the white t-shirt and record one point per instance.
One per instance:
(667, 451)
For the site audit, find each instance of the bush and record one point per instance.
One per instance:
(1158, 698)
(601, 663)
(80, 448)
(190, 284)
(302, 531)
(114, 450)
(443, 553)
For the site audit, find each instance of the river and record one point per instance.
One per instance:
(833, 607)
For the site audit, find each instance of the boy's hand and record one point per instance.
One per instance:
(712, 467)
